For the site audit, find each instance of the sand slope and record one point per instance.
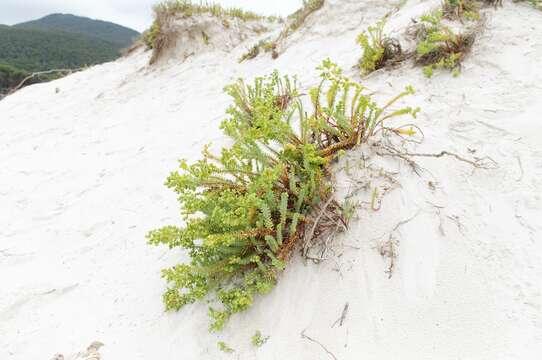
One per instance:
(81, 182)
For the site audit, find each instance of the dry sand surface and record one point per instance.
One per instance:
(81, 182)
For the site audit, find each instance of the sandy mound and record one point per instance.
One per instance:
(183, 36)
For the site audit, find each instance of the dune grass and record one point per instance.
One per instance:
(156, 38)
(190, 8)
(263, 45)
(298, 18)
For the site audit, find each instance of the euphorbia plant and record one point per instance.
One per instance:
(246, 209)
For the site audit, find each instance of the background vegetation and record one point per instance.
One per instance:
(37, 50)
(107, 31)
(10, 76)
(57, 41)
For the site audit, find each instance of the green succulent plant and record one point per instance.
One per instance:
(378, 49)
(439, 47)
(245, 209)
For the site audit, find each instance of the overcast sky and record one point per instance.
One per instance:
(136, 14)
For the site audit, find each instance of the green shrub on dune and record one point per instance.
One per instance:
(246, 208)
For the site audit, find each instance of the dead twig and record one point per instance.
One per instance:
(438, 208)
(521, 168)
(319, 343)
(388, 250)
(398, 225)
(341, 319)
(457, 222)
(406, 221)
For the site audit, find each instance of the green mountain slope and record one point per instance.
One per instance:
(57, 41)
(35, 50)
(107, 31)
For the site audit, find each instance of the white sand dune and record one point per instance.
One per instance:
(81, 182)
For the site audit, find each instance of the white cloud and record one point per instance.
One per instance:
(133, 13)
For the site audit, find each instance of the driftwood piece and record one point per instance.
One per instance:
(33, 75)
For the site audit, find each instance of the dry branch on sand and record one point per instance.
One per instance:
(485, 162)
(340, 321)
(40, 73)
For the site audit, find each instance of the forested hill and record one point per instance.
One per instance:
(35, 50)
(58, 42)
(107, 31)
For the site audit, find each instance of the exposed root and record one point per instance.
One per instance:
(393, 152)
(328, 222)
(331, 218)
(485, 162)
(393, 54)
